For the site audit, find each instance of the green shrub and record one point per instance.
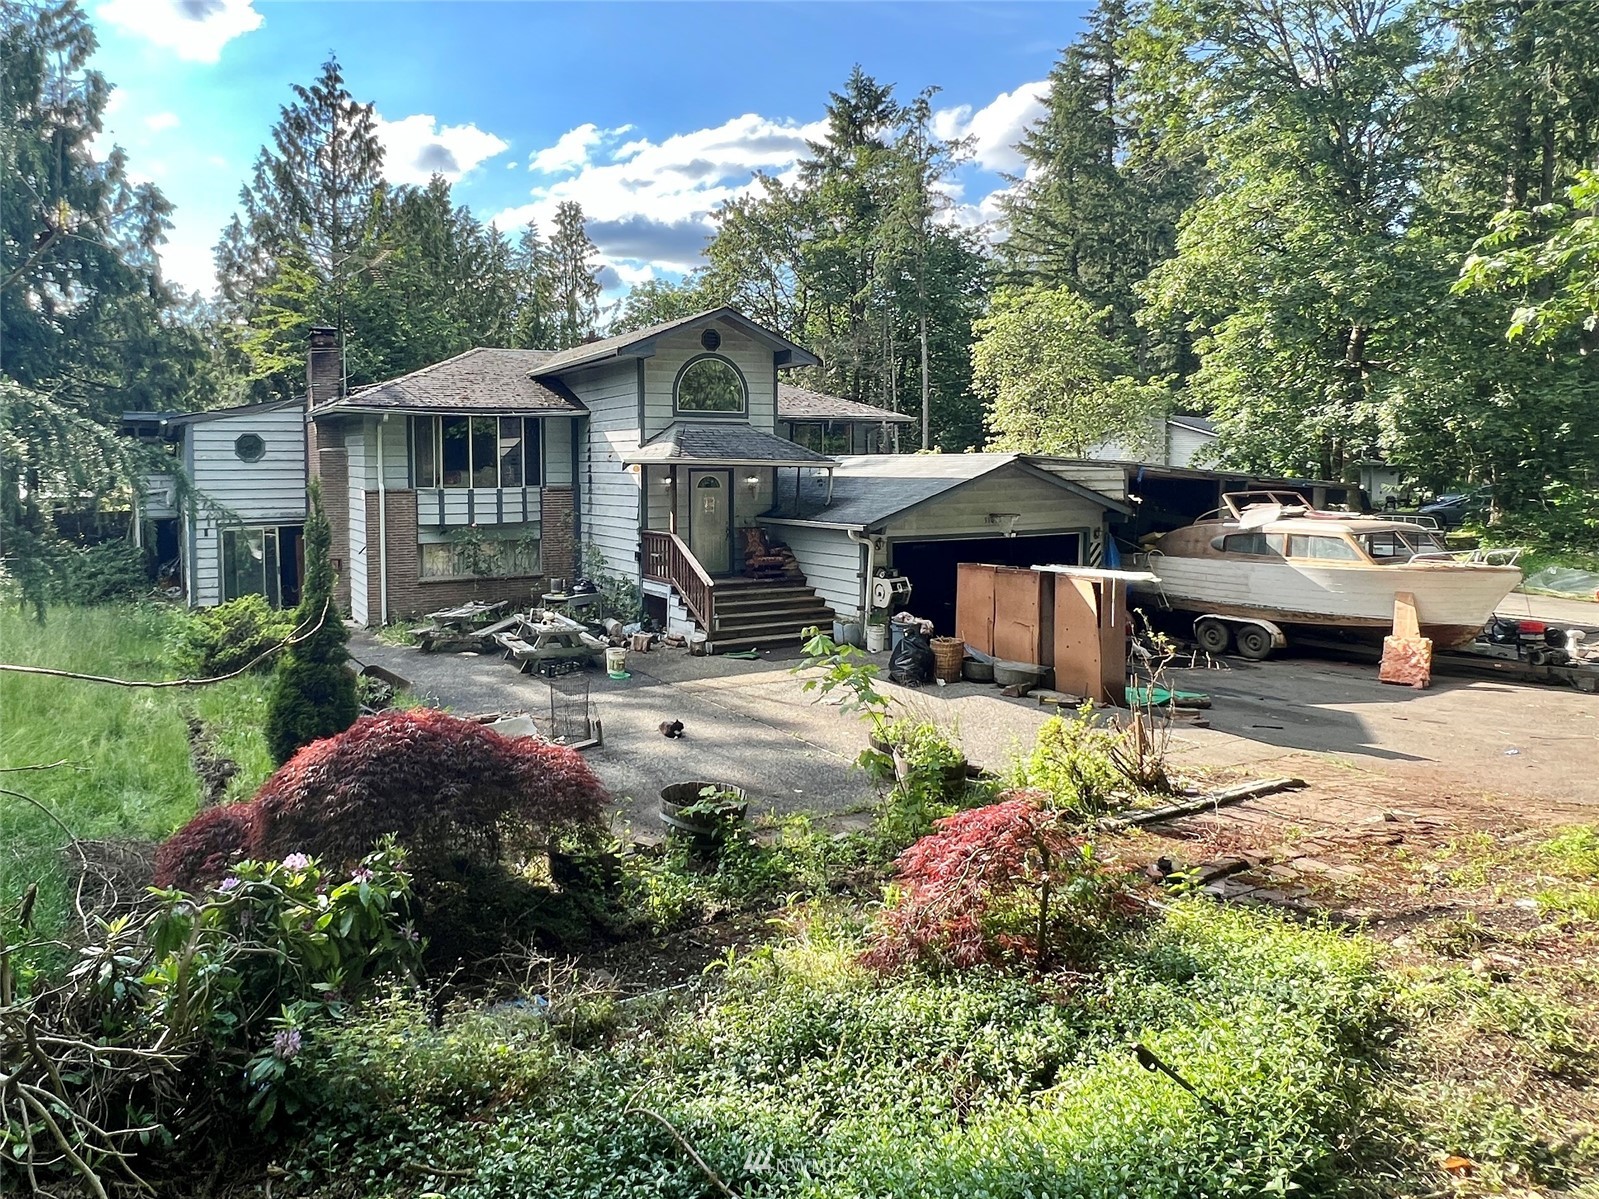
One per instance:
(98, 574)
(220, 640)
(1072, 763)
(313, 695)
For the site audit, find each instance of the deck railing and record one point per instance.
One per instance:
(667, 559)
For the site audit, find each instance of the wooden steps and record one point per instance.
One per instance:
(751, 614)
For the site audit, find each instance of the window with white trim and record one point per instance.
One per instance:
(710, 384)
(476, 451)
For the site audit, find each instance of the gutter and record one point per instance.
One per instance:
(383, 531)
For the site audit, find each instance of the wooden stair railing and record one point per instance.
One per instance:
(667, 559)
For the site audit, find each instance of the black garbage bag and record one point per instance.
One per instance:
(911, 662)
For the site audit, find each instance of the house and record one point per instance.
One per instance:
(1180, 440)
(228, 519)
(675, 458)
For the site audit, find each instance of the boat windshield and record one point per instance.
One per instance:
(1394, 546)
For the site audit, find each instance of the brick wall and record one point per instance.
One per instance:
(332, 467)
(410, 596)
(558, 544)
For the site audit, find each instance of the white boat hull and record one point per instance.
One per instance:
(1453, 600)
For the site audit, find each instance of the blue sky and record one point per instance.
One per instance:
(648, 114)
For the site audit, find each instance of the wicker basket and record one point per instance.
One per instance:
(948, 653)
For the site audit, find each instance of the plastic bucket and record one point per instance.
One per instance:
(876, 638)
(616, 661)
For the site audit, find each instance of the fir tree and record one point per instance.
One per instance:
(313, 693)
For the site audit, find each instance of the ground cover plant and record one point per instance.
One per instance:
(126, 761)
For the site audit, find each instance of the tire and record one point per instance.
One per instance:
(1213, 636)
(1253, 643)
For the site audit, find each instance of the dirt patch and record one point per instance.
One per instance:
(215, 769)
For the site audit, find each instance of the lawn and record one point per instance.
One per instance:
(126, 771)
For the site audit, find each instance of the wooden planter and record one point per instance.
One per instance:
(677, 796)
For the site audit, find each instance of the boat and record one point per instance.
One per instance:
(1270, 558)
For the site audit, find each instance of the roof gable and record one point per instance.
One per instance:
(640, 342)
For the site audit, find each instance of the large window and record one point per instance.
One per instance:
(829, 438)
(476, 451)
(1264, 545)
(1328, 549)
(507, 553)
(250, 564)
(710, 384)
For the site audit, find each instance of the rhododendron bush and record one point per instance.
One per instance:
(447, 789)
(1002, 883)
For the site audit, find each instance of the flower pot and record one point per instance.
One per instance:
(675, 797)
(846, 632)
(950, 776)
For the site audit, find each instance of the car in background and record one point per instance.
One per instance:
(1455, 509)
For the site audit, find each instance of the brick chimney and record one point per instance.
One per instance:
(324, 367)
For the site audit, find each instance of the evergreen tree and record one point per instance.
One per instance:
(313, 692)
(287, 260)
(88, 329)
(533, 319)
(574, 285)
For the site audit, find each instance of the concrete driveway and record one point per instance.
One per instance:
(749, 723)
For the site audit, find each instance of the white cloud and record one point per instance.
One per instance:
(650, 202)
(417, 147)
(571, 150)
(194, 30)
(996, 127)
(156, 122)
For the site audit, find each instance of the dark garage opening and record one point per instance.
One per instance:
(930, 566)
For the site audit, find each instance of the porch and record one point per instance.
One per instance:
(703, 489)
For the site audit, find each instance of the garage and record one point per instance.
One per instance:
(931, 566)
(922, 515)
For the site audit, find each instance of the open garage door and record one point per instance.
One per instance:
(930, 566)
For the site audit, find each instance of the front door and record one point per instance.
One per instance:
(710, 520)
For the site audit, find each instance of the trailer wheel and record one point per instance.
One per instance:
(1253, 642)
(1213, 636)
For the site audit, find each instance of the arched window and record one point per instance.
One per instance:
(710, 384)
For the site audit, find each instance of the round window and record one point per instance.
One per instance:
(711, 340)
(249, 447)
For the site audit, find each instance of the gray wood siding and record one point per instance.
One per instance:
(1043, 508)
(610, 490)
(831, 561)
(1188, 448)
(1109, 479)
(753, 359)
(555, 436)
(270, 491)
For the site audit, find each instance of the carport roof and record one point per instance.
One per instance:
(870, 489)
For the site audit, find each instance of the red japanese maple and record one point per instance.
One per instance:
(979, 888)
(202, 849)
(444, 787)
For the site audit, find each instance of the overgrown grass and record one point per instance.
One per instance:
(802, 1074)
(127, 771)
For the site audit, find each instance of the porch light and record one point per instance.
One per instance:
(666, 480)
(753, 482)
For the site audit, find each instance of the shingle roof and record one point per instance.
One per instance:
(869, 489)
(610, 347)
(726, 444)
(797, 403)
(480, 380)
(1198, 424)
